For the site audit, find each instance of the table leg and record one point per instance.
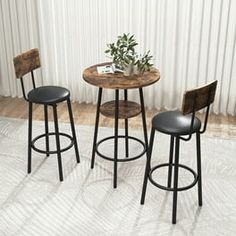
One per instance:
(96, 127)
(143, 119)
(116, 137)
(126, 128)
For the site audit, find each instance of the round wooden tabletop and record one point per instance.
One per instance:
(118, 80)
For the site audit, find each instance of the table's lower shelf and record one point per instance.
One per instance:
(127, 109)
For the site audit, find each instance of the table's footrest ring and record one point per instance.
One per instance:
(195, 176)
(33, 142)
(121, 159)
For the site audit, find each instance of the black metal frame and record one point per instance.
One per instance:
(59, 150)
(175, 189)
(57, 134)
(121, 159)
(96, 143)
(126, 128)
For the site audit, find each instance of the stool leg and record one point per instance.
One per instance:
(73, 130)
(148, 166)
(170, 161)
(96, 127)
(199, 172)
(116, 137)
(126, 129)
(29, 137)
(143, 118)
(175, 180)
(46, 129)
(57, 142)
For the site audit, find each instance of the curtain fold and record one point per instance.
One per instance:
(192, 42)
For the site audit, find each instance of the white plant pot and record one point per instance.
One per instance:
(128, 70)
(136, 70)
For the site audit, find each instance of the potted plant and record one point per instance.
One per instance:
(122, 52)
(125, 57)
(143, 63)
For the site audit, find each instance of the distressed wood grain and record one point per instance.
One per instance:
(26, 62)
(127, 109)
(118, 80)
(204, 96)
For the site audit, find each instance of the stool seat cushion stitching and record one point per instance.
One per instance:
(48, 95)
(175, 123)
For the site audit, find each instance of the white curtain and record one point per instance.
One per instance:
(192, 41)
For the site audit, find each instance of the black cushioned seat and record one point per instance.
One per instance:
(48, 95)
(175, 123)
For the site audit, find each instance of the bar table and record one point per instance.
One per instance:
(119, 109)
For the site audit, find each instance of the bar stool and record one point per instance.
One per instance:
(26, 63)
(179, 124)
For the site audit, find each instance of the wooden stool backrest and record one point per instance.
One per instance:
(199, 98)
(26, 62)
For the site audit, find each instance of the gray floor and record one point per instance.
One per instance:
(86, 204)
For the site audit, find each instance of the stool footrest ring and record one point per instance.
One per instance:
(119, 159)
(172, 189)
(54, 151)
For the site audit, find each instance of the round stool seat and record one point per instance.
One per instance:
(175, 123)
(48, 95)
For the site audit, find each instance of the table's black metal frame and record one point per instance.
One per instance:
(116, 136)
